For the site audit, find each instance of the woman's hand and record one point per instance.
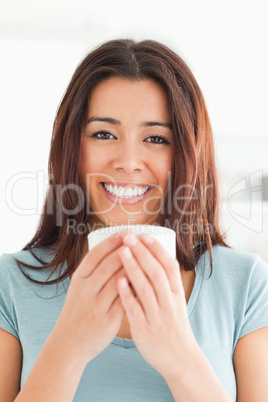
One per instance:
(158, 317)
(92, 313)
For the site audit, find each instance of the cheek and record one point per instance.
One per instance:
(92, 168)
(163, 168)
(90, 162)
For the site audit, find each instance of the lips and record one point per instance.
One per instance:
(124, 184)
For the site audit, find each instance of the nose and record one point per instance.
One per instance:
(129, 158)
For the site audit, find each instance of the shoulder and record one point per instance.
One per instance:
(239, 282)
(12, 263)
(233, 256)
(237, 265)
(26, 256)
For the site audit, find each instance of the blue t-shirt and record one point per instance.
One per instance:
(221, 309)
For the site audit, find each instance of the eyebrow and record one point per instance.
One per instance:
(117, 122)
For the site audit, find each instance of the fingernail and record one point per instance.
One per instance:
(127, 253)
(123, 283)
(131, 239)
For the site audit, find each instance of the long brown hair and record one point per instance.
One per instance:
(196, 215)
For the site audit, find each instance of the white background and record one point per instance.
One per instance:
(225, 45)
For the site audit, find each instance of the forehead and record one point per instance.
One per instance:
(115, 94)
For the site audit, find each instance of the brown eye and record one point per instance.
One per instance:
(157, 139)
(102, 135)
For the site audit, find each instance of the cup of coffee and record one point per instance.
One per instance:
(167, 237)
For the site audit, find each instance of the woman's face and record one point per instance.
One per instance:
(126, 152)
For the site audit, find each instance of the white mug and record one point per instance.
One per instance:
(167, 237)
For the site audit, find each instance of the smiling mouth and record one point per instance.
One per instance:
(126, 191)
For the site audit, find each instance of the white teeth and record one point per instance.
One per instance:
(125, 192)
(135, 192)
(121, 191)
(128, 192)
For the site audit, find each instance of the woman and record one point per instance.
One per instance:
(132, 144)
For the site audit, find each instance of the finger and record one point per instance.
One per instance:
(132, 307)
(109, 292)
(170, 264)
(150, 266)
(97, 254)
(116, 310)
(141, 284)
(105, 270)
